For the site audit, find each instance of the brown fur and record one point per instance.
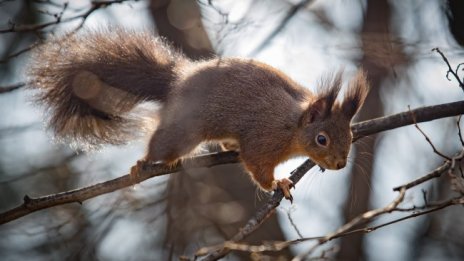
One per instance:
(247, 103)
(92, 81)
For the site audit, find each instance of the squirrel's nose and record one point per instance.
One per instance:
(341, 164)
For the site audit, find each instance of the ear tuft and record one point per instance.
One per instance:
(355, 95)
(328, 89)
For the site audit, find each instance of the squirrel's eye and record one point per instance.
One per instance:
(321, 139)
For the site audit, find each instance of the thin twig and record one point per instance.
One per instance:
(289, 216)
(427, 137)
(457, 182)
(450, 70)
(18, 53)
(359, 220)
(280, 245)
(458, 123)
(434, 174)
(447, 203)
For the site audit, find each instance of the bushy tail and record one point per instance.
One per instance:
(91, 82)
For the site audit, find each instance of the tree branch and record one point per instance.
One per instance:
(280, 245)
(31, 205)
(423, 114)
(219, 251)
(262, 214)
(362, 129)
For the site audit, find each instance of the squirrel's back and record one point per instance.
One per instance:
(92, 81)
(221, 96)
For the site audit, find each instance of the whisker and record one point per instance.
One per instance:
(366, 176)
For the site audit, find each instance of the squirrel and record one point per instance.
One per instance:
(92, 83)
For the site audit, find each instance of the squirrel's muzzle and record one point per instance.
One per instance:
(341, 164)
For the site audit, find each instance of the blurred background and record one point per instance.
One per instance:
(167, 217)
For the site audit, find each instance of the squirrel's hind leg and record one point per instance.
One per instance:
(170, 143)
(167, 145)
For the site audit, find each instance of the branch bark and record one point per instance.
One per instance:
(423, 114)
(219, 251)
(360, 130)
(31, 205)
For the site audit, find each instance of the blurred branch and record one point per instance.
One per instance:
(12, 87)
(362, 129)
(18, 53)
(147, 171)
(193, 41)
(19, 129)
(13, 28)
(95, 5)
(290, 14)
(4, 1)
(37, 171)
(58, 19)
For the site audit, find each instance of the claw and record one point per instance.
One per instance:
(322, 169)
(285, 185)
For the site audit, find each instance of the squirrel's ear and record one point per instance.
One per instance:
(318, 110)
(355, 95)
(328, 90)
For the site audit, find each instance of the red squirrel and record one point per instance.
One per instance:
(92, 83)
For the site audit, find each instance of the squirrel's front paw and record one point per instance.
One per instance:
(136, 169)
(285, 185)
